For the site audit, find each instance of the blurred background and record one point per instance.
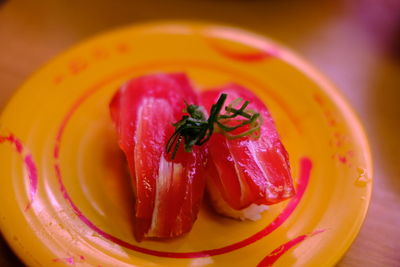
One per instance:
(356, 43)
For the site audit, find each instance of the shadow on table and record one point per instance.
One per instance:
(7, 256)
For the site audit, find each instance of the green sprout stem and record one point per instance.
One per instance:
(195, 129)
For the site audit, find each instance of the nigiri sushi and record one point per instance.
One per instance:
(168, 192)
(247, 173)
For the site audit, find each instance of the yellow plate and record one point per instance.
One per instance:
(63, 194)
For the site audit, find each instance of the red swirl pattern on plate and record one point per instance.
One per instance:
(251, 49)
(29, 164)
(254, 56)
(271, 258)
(304, 176)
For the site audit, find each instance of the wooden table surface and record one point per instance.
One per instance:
(355, 42)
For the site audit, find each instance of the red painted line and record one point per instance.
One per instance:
(342, 159)
(271, 258)
(69, 260)
(33, 178)
(14, 141)
(66, 119)
(29, 164)
(254, 56)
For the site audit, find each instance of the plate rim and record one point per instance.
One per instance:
(324, 83)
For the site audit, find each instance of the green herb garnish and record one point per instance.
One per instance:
(195, 129)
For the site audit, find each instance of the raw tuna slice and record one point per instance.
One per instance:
(168, 192)
(245, 175)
